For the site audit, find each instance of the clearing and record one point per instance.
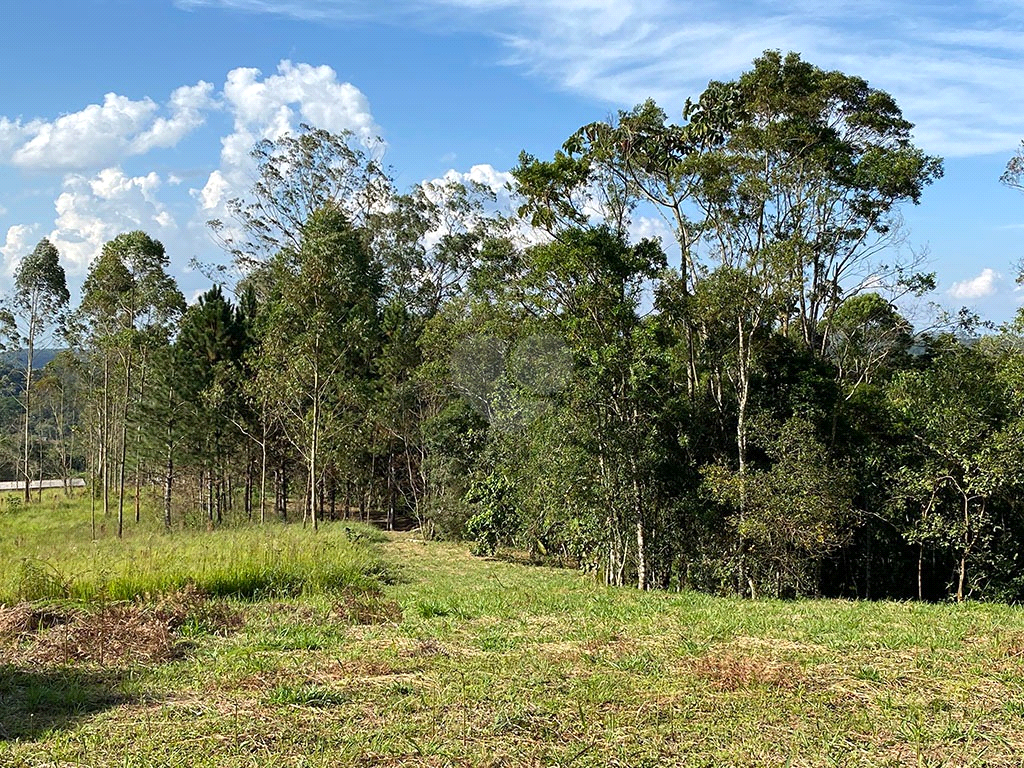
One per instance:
(396, 651)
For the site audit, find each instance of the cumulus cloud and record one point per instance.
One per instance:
(20, 240)
(188, 106)
(104, 133)
(499, 182)
(959, 82)
(98, 200)
(985, 284)
(93, 209)
(269, 107)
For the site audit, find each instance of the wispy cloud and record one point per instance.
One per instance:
(958, 80)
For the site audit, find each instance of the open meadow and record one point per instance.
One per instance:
(278, 646)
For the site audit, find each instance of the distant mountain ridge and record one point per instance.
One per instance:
(20, 357)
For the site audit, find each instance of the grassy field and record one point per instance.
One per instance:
(429, 656)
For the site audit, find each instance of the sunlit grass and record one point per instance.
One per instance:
(48, 552)
(479, 662)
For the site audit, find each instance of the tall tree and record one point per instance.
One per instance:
(128, 292)
(320, 336)
(297, 175)
(40, 297)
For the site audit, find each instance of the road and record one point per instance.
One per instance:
(75, 482)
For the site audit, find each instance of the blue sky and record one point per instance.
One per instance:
(118, 115)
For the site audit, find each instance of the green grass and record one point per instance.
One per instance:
(490, 663)
(49, 554)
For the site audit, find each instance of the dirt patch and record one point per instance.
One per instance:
(426, 649)
(1010, 645)
(115, 634)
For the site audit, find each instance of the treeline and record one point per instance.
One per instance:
(752, 415)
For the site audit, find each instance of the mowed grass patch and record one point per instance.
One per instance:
(474, 662)
(49, 553)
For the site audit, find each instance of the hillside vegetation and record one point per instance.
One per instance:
(430, 656)
(747, 403)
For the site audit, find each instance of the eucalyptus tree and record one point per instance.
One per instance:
(807, 183)
(40, 298)
(127, 296)
(1013, 175)
(320, 337)
(296, 175)
(581, 402)
(62, 390)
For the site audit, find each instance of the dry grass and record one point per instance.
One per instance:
(726, 671)
(115, 634)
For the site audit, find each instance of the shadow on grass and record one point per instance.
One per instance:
(33, 702)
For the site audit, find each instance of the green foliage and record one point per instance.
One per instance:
(758, 418)
(495, 518)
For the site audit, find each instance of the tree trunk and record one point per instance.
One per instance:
(105, 436)
(138, 445)
(920, 572)
(168, 483)
(967, 549)
(263, 481)
(28, 402)
(92, 490)
(641, 533)
(124, 445)
(248, 483)
(313, 447)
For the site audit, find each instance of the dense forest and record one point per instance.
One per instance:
(745, 408)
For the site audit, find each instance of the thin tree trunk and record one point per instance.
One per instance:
(313, 446)
(124, 445)
(248, 484)
(92, 491)
(641, 535)
(168, 483)
(28, 401)
(263, 480)
(105, 437)
(138, 444)
(920, 572)
(284, 493)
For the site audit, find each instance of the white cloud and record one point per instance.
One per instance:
(268, 108)
(20, 240)
(104, 133)
(985, 284)
(652, 228)
(499, 182)
(189, 105)
(958, 81)
(98, 200)
(13, 133)
(216, 192)
(93, 209)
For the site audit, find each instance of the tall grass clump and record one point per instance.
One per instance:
(49, 554)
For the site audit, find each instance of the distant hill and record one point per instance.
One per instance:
(41, 358)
